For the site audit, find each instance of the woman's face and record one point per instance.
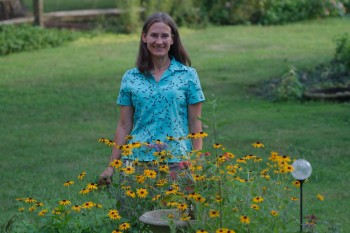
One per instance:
(158, 39)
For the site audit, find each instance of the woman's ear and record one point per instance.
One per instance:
(143, 36)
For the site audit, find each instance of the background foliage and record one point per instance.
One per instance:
(197, 13)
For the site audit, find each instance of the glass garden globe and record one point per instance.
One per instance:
(302, 169)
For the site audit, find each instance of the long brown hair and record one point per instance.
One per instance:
(143, 61)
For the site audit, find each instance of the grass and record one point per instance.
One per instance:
(55, 103)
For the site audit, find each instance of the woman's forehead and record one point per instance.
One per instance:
(159, 27)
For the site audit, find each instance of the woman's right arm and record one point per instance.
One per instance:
(124, 128)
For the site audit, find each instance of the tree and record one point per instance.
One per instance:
(11, 9)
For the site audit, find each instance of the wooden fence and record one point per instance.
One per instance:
(41, 19)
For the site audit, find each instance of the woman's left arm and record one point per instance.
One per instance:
(195, 124)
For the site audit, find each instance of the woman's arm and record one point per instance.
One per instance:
(124, 128)
(195, 124)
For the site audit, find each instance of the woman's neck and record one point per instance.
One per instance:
(160, 65)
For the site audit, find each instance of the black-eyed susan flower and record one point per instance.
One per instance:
(254, 207)
(198, 177)
(249, 157)
(124, 226)
(117, 163)
(84, 191)
(21, 209)
(128, 170)
(140, 179)
(82, 175)
(171, 191)
(76, 208)
(229, 155)
(294, 198)
(156, 197)
(64, 202)
(241, 160)
(258, 199)
(39, 203)
(230, 231)
(274, 213)
(218, 198)
(32, 208)
(87, 205)
(197, 135)
(117, 231)
(289, 168)
(56, 212)
(136, 144)
(296, 183)
(30, 200)
(214, 213)
(164, 168)
(221, 230)
(91, 186)
(201, 231)
(43, 212)
(128, 137)
(141, 192)
(217, 145)
(150, 173)
(257, 144)
(244, 219)
(185, 217)
(130, 193)
(162, 182)
(192, 135)
(172, 203)
(182, 206)
(170, 138)
(68, 183)
(114, 214)
(199, 198)
(320, 197)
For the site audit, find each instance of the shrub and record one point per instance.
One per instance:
(280, 12)
(290, 87)
(129, 21)
(342, 51)
(184, 12)
(26, 37)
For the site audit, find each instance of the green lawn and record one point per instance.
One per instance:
(55, 103)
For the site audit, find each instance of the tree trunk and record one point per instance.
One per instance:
(11, 9)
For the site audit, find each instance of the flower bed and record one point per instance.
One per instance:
(220, 190)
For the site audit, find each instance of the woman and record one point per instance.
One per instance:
(159, 99)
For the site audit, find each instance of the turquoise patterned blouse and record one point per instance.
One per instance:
(161, 108)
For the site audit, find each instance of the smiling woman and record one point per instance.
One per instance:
(159, 99)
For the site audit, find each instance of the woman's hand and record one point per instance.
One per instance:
(105, 177)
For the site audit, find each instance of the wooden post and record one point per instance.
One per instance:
(38, 7)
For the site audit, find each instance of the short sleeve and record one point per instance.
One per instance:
(124, 97)
(195, 93)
